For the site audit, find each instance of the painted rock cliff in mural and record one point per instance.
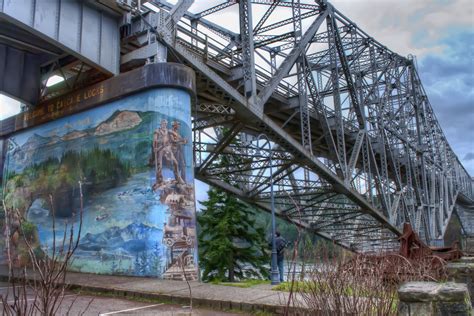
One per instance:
(134, 160)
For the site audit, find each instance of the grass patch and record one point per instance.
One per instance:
(260, 313)
(243, 284)
(315, 287)
(297, 286)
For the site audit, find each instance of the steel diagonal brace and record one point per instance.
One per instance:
(377, 173)
(223, 143)
(311, 205)
(339, 219)
(277, 175)
(216, 8)
(321, 111)
(179, 10)
(285, 22)
(290, 4)
(290, 60)
(330, 177)
(347, 74)
(212, 26)
(249, 111)
(355, 152)
(265, 16)
(266, 207)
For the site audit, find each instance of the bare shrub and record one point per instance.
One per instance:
(182, 264)
(361, 284)
(43, 291)
(352, 284)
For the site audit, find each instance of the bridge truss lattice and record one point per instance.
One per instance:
(356, 147)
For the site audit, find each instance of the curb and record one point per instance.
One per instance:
(178, 299)
(182, 300)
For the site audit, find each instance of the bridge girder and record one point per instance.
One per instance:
(357, 149)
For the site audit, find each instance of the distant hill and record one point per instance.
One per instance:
(73, 135)
(119, 132)
(119, 121)
(134, 238)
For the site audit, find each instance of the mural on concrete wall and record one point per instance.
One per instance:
(134, 158)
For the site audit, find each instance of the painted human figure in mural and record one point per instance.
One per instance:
(13, 233)
(177, 146)
(162, 148)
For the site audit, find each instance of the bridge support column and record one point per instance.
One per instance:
(126, 144)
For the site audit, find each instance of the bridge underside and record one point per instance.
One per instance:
(77, 40)
(356, 147)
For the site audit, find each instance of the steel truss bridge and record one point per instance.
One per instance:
(356, 147)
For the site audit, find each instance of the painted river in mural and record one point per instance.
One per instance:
(134, 160)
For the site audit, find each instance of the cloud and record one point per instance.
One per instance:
(448, 78)
(438, 32)
(405, 26)
(8, 107)
(200, 194)
(469, 156)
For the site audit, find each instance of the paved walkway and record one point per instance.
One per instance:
(221, 297)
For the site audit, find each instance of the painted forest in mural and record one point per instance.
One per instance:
(134, 160)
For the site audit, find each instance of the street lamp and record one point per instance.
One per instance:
(274, 273)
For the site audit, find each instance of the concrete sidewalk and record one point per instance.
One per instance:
(219, 297)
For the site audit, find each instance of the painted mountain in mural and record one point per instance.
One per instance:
(117, 132)
(34, 142)
(121, 120)
(70, 136)
(134, 238)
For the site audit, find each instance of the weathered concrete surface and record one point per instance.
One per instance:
(462, 271)
(94, 305)
(433, 299)
(468, 244)
(217, 297)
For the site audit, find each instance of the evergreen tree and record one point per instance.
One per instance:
(231, 247)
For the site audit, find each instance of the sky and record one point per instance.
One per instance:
(8, 106)
(440, 33)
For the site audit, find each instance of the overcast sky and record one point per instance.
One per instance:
(8, 106)
(441, 35)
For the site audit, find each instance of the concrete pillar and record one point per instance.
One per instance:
(431, 298)
(128, 140)
(462, 271)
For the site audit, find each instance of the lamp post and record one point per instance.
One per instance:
(274, 273)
